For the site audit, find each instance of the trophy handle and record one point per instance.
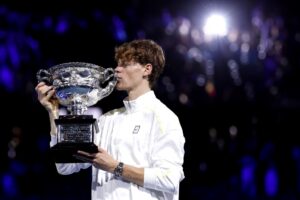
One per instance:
(44, 76)
(109, 74)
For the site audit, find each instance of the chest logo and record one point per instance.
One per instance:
(136, 129)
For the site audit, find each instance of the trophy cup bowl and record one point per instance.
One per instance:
(78, 85)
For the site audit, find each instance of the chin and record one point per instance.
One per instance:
(120, 88)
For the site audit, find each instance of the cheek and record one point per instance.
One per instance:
(135, 78)
(136, 74)
(132, 75)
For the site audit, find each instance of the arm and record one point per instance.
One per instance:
(106, 162)
(165, 170)
(50, 103)
(46, 98)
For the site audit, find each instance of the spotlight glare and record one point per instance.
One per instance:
(215, 25)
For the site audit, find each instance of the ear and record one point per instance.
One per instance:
(148, 69)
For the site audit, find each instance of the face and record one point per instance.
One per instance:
(130, 76)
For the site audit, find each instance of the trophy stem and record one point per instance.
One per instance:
(76, 108)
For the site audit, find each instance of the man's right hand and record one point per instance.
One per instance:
(46, 97)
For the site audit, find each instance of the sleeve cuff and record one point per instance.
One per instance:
(53, 141)
(150, 178)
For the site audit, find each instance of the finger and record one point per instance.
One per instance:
(50, 93)
(49, 88)
(83, 158)
(84, 153)
(46, 89)
(44, 93)
(101, 149)
(39, 85)
(43, 89)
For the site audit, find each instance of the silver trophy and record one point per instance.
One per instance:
(78, 86)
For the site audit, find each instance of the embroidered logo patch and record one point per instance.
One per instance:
(136, 129)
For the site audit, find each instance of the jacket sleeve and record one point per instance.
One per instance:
(166, 171)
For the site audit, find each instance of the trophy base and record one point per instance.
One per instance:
(64, 152)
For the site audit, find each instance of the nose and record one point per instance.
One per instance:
(117, 69)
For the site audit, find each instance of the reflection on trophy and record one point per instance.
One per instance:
(78, 85)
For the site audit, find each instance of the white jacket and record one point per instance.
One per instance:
(143, 133)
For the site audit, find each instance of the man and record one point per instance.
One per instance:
(141, 145)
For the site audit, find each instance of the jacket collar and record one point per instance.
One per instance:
(139, 103)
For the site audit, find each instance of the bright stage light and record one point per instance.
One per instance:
(215, 25)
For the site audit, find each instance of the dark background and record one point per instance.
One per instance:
(237, 96)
